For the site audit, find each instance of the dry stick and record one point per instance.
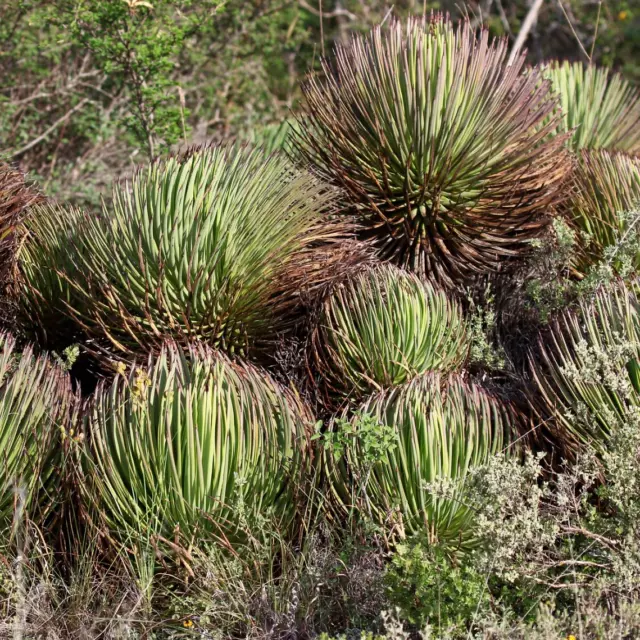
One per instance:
(51, 129)
(321, 26)
(528, 23)
(575, 35)
(595, 35)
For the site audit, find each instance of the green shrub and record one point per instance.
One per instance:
(214, 245)
(383, 327)
(194, 446)
(600, 109)
(438, 145)
(439, 427)
(429, 588)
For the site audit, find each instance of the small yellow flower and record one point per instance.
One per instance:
(623, 15)
(121, 368)
(188, 624)
(571, 637)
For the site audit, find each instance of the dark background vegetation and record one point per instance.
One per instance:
(91, 88)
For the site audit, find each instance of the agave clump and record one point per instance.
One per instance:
(213, 245)
(605, 206)
(195, 445)
(587, 369)
(443, 427)
(35, 398)
(442, 149)
(384, 326)
(599, 108)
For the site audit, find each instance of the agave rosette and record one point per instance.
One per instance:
(600, 109)
(587, 369)
(194, 445)
(444, 427)
(214, 245)
(383, 327)
(35, 400)
(441, 147)
(605, 204)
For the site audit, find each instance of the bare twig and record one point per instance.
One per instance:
(51, 129)
(575, 35)
(336, 13)
(528, 23)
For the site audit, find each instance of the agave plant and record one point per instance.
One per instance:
(195, 445)
(600, 109)
(15, 199)
(214, 245)
(48, 272)
(35, 398)
(587, 368)
(438, 144)
(384, 327)
(605, 205)
(443, 427)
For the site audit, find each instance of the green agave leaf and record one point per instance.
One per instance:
(600, 109)
(586, 369)
(35, 400)
(442, 149)
(194, 445)
(215, 245)
(444, 427)
(604, 204)
(384, 327)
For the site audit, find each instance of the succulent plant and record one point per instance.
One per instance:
(604, 205)
(196, 444)
(586, 368)
(48, 270)
(215, 244)
(443, 427)
(383, 327)
(442, 149)
(599, 108)
(15, 199)
(35, 400)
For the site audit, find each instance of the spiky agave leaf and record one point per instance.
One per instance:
(211, 245)
(35, 398)
(439, 145)
(444, 427)
(604, 204)
(385, 326)
(195, 444)
(599, 108)
(586, 368)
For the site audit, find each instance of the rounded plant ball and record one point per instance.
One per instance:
(434, 429)
(383, 327)
(216, 245)
(196, 444)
